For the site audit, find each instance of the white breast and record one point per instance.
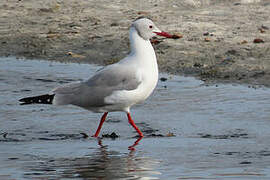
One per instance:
(143, 59)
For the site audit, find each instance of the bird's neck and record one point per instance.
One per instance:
(140, 46)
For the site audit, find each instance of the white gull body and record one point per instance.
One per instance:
(119, 86)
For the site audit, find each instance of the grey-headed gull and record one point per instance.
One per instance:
(115, 87)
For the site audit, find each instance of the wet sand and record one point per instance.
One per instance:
(193, 130)
(217, 44)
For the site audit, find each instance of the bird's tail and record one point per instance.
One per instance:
(43, 99)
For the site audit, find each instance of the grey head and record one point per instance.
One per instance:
(145, 28)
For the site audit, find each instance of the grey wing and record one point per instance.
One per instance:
(92, 92)
(116, 77)
(71, 93)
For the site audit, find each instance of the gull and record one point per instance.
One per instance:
(115, 87)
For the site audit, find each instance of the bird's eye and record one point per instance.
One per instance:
(150, 26)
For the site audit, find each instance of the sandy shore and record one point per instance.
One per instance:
(217, 44)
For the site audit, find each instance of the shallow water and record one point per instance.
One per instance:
(221, 131)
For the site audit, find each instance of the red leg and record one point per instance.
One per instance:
(134, 125)
(100, 124)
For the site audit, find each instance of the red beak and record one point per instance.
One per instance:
(164, 34)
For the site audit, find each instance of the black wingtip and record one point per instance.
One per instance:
(43, 99)
(25, 101)
(22, 100)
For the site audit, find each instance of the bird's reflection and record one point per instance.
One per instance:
(100, 163)
(131, 148)
(106, 164)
